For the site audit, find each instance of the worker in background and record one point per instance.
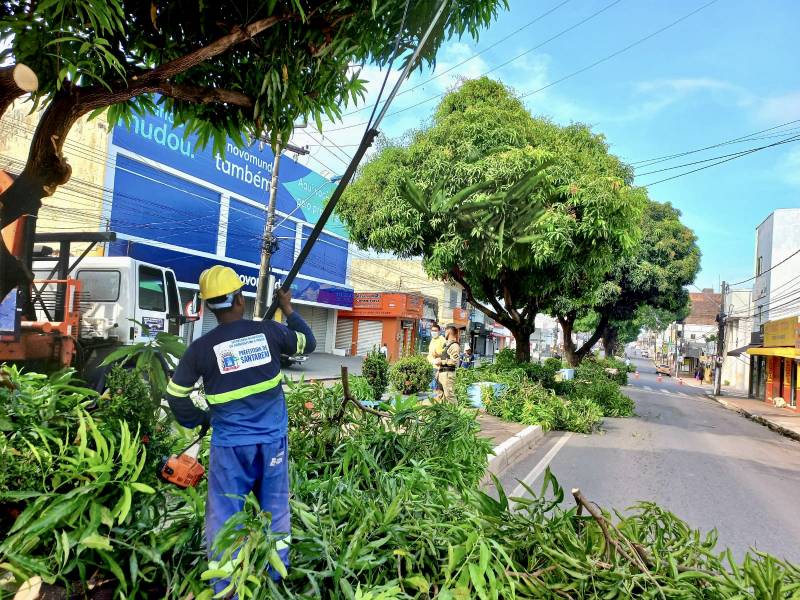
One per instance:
(239, 363)
(447, 363)
(435, 353)
(467, 359)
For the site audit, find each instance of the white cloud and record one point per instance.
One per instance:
(779, 109)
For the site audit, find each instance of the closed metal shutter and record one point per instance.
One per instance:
(344, 334)
(370, 334)
(317, 319)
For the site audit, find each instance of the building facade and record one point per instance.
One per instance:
(381, 318)
(187, 208)
(777, 267)
(738, 327)
(775, 364)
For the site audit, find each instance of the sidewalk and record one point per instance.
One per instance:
(325, 366)
(510, 440)
(781, 420)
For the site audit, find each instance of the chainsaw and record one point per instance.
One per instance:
(183, 469)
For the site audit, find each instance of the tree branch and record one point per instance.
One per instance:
(15, 81)
(236, 36)
(598, 333)
(507, 297)
(203, 95)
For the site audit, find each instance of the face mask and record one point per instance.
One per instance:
(434, 334)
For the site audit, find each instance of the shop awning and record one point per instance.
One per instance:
(742, 350)
(785, 351)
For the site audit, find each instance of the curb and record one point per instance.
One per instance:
(506, 453)
(756, 418)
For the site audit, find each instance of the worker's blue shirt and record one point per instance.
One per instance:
(240, 366)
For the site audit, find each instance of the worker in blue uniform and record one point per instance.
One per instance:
(239, 363)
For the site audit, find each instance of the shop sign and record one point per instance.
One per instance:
(783, 332)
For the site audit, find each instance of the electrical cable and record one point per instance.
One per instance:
(775, 266)
(495, 68)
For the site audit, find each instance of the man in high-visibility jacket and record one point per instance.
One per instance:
(435, 349)
(239, 363)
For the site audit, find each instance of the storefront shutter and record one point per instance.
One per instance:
(317, 319)
(370, 334)
(344, 334)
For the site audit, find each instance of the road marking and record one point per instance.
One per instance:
(520, 490)
(648, 388)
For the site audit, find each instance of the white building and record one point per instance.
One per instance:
(776, 292)
(738, 328)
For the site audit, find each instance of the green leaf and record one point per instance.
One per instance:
(95, 541)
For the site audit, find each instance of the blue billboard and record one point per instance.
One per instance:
(194, 216)
(188, 267)
(244, 171)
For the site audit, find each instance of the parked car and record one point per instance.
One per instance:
(663, 370)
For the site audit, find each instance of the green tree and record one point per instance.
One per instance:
(238, 69)
(665, 260)
(513, 208)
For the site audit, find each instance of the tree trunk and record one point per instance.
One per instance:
(572, 354)
(609, 346)
(45, 169)
(15, 81)
(522, 335)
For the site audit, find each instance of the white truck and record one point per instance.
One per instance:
(82, 308)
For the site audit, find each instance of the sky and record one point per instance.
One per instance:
(726, 69)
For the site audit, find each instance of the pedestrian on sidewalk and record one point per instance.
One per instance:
(467, 359)
(385, 351)
(435, 353)
(447, 363)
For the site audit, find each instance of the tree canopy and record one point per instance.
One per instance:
(654, 275)
(238, 69)
(512, 252)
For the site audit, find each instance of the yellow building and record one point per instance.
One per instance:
(389, 275)
(78, 205)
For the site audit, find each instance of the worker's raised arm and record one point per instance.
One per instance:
(299, 339)
(178, 393)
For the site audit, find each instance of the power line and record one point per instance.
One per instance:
(739, 155)
(475, 55)
(621, 51)
(744, 138)
(795, 253)
(733, 154)
(495, 68)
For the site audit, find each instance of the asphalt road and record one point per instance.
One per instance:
(710, 466)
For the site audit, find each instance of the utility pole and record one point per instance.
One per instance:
(268, 245)
(720, 341)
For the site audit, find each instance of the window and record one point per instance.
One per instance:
(172, 294)
(692, 336)
(759, 265)
(99, 286)
(151, 289)
(453, 299)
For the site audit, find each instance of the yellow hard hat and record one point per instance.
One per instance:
(218, 281)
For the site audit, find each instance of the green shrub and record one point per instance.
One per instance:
(375, 369)
(361, 389)
(411, 374)
(506, 359)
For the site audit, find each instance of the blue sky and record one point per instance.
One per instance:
(731, 69)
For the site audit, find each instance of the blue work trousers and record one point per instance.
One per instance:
(236, 471)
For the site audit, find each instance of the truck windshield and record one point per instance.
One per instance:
(151, 289)
(99, 285)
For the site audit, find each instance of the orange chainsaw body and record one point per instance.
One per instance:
(182, 470)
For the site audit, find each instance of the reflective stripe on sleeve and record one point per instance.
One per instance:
(301, 342)
(243, 392)
(179, 391)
